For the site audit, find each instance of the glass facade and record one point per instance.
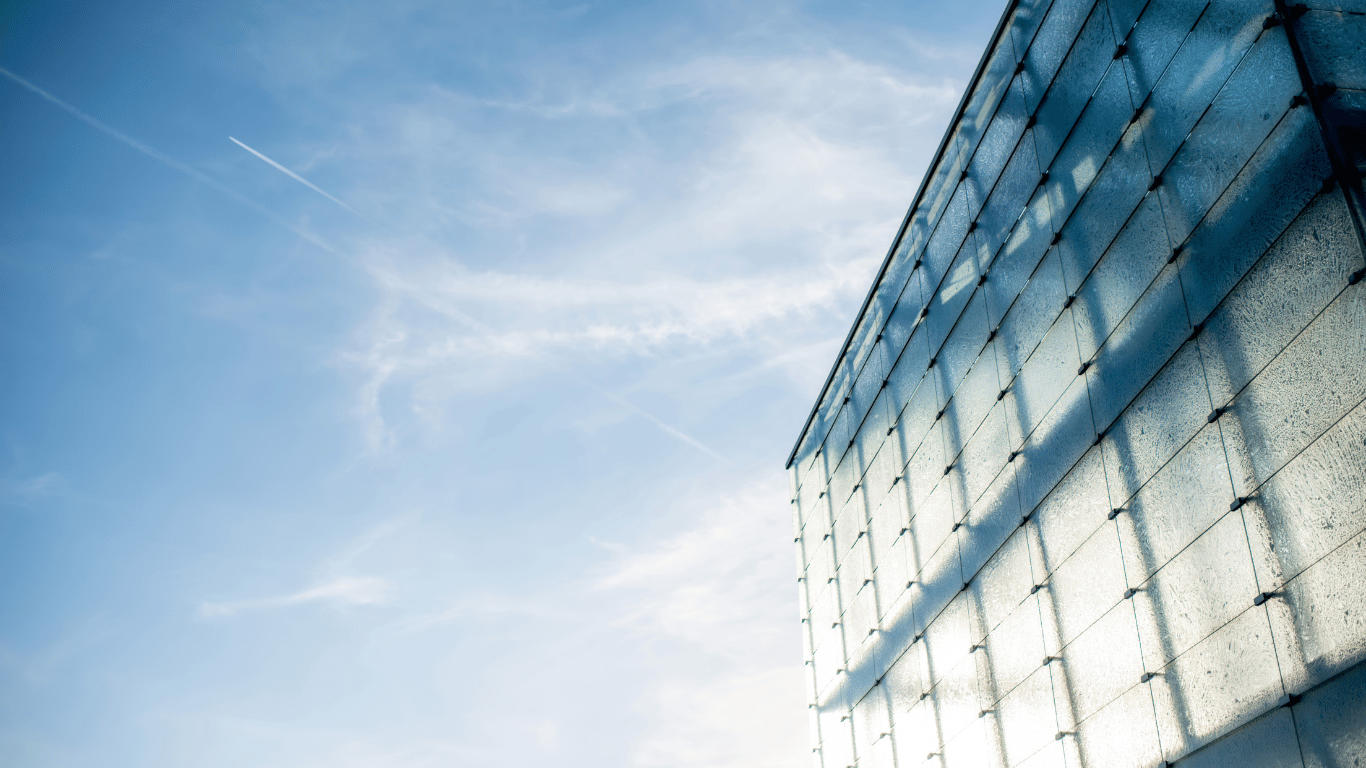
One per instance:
(1087, 483)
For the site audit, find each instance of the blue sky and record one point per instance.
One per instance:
(470, 454)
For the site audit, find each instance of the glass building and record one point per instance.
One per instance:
(1086, 486)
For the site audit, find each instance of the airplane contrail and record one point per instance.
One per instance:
(169, 161)
(295, 176)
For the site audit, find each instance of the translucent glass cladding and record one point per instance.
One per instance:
(1329, 723)
(1188, 83)
(1334, 46)
(1309, 386)
(1088, 485)
(1314, 503)
(1081, 72)
(1245, 111)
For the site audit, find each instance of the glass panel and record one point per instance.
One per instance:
(842, 483)
(908, 384)
(925, 470)
(1086, 585)
(955, 697)
(1102, 124)
(1077, 80)
(1267, 742)
(982, 460)
(885, 466)
(1323, 626)
(879, 754)
(1002, 586)
(837, 742)
(1284, 291)
(1176, 506)
(1046, 51)
(932, 523)
(854, 571)
(1329, 723)
(861, 618)
(826, 610)
(906, 680)
(822, 568)
(947, 639)
(904, 316)
(946, 241)
(1002, 134)
(1155, 36)
(837, 441)
(1024, 23)
(977, 394)
(1122, 735)
(1332, 44)
(1275, 186)
(970, 746)
(1135, 258)
(1314, 503)
(1123, 14)
(1031, 316)
(1102, 663)
(862, 344)
(871, 435)
(1063, 436)
(817, 514)
(1171, 410)
(990, 522)
(1196, 73)
(1009, 198)
(886, 523)
(1111, 197)
(868, 384)
(1014, 650)
(948, 304)
(1028, 721)
(1073, 510)
(1201, 589)
(916, 732)
(893, 284)
(829, 658)
(1145, 339)
(1245, 112)
(1051, 370)
(1054, 755)
(943, 182)
(937, 582)
(897, 631)
(892, 573)
(964, 344)
(1218, 684)
(1355, 6)
(1318, 378)
(1019, 258)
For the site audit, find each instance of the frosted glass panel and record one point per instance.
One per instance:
(1093, 466)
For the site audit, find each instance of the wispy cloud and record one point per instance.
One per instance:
(336, 585)
(749, 236)
(341, 591)
(719, 586)
(28, 487)
(295, 176)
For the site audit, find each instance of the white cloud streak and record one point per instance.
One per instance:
(295, 176)
(171, 162)
(340, 591)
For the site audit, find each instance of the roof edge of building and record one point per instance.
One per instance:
(905, 221)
